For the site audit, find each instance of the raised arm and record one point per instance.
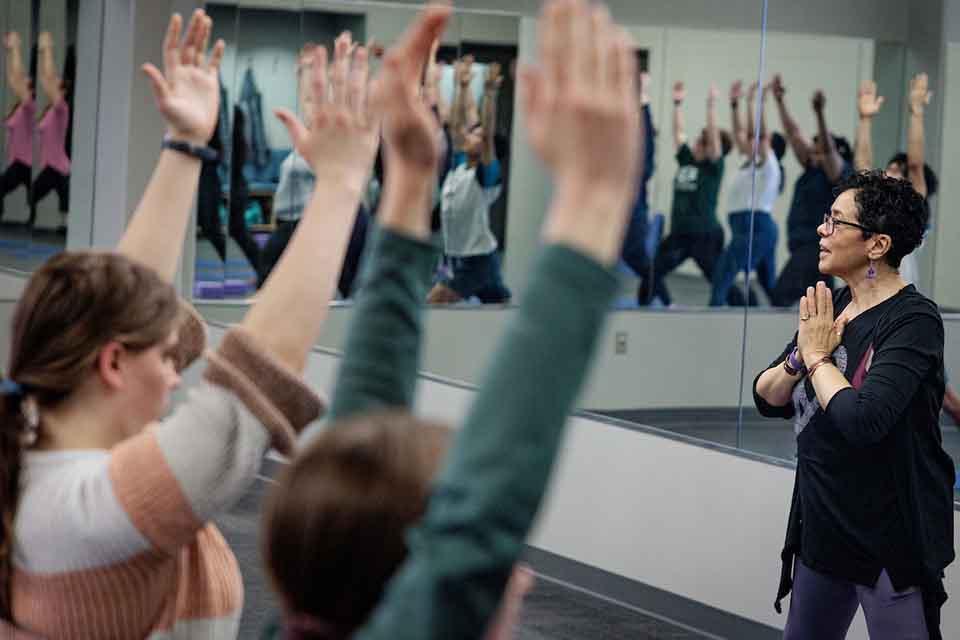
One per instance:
(488, 117)
(646, 129)
(740, 137)
(764, 148)
(188, 97)
(714, 150)
(16, 77)
(832, 162)
(431, 88)
(463, 75)
(919, 99)
(495, 476)
(679, 126)
(381, 356)
(800, 145)
(868, 106)
(339, 145)
(49, 78)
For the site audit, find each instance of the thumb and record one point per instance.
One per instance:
(298, 133)
(157, 82)
(840, 325)
(880, 101)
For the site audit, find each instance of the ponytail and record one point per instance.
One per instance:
(13, 427)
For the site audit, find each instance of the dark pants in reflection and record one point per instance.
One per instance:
(800, 272)
(49, 180)
(17, 174)
(734, 259)
(634, 251)
(280, 238)
(209, 192)
(704, 248)
(479, 276)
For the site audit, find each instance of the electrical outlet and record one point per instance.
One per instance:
(620, 345)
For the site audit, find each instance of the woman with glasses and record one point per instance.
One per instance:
(871, 521)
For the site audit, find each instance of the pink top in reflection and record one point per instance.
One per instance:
(20, 133)
(53, 135)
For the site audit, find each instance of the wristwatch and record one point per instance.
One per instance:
(204, 153)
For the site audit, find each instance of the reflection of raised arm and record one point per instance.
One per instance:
(16, 77)
(740, 138)
(188, 96)
(49, 78)
(679, 127)
(463, 74)
(764, 148)
(432, 93)
(919, 99)
(800, 145)
(714, 152)
(832, 162)
(868, 105)
(488, 120)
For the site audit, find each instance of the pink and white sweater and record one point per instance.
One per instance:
(119, 544)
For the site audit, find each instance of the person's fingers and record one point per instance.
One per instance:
(298, 133)
(417, 42)
(359, 72)
(578, 29)
(622, 68)
(157, 82)
(549, 40)
(880, 101)
(191, 42)
(600, 45)
(532, 83)
(318, 80)
(341, 68)
(804, 310)
(216, 56)
(563, 40)
(205, 41)
(171, 43)
(840, 326)
(824, 301)
(812, 300)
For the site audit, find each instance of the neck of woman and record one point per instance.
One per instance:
(869, 292)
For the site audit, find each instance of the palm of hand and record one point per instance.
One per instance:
(191, 106)
(339, 142)
(869, 104)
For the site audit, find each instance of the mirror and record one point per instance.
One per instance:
(56, 65)
(20, 113)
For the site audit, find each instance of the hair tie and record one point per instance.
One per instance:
(10, 388)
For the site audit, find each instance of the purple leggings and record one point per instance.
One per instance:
(822, 608)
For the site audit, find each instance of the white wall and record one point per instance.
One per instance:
(947, 237)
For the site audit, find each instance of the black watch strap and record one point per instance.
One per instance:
(204, 153)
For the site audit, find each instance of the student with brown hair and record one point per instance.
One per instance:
(372, 532)
(106, 508)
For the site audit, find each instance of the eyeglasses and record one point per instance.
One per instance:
(830, 224)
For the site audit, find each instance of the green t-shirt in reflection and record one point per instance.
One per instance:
(695, 190)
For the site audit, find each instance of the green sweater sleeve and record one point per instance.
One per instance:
(485, 499)
(381, 359)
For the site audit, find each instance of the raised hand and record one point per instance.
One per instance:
(45, 40)
(712, 94)
(464, 71)
(188, 92)
(586, 88)
(752, 92)
(494, 78)
(679, 92)
(819, 101)
(340, 140)
(736, 91)
(868, 102)
(920, 94)
(645, 87)
(777, 87)
(11, 40)
(410, 130)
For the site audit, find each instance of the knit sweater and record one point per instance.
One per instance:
(118, 543)
(483, 503)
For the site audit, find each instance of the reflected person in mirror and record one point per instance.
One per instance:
(19, 125)
(634, 252)
(871, 521)
(471, 187)
(826, 161)
(52, 131)
(756, 187)
(695, 231)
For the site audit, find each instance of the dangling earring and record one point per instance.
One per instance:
(872, 271)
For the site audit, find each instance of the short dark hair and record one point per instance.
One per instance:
(726, 142)
(889, 206)
(929, 175)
